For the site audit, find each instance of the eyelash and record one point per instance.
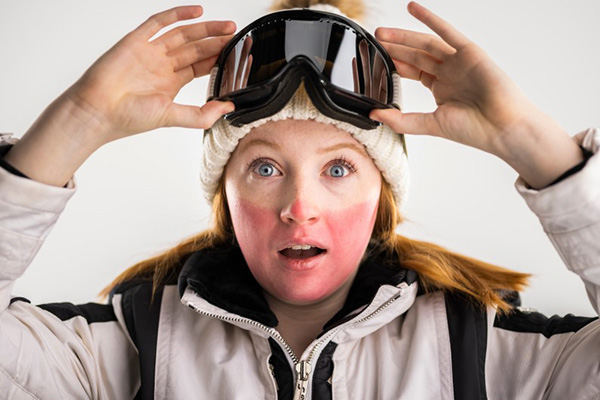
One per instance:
(258, 160)
(341, 160)
(345, 162)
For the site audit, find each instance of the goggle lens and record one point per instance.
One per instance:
(342, 56)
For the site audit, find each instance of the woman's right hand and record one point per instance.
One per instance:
(128, 90)
(132, 86)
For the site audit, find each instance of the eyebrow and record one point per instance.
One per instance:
(339, 146)
(256, 142)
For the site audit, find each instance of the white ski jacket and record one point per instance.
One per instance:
(209, 334)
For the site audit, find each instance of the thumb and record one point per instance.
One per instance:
(204, 117)
(411, 123)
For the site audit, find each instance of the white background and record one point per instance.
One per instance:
(141, 195)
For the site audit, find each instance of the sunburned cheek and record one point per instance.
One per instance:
(253, 226)
(350, 230)
(346, 227)
(345, 231)
(248, 219)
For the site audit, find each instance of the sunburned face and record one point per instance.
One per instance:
(303, 199)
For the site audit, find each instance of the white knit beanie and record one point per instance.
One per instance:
(382, 144)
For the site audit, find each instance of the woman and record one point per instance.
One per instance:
(325, 287)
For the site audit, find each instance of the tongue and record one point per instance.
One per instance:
(313, 251)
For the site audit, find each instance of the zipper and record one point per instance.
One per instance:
(271, 331)
(303, 367)
(385, 305)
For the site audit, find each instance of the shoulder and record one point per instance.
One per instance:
(527, 321)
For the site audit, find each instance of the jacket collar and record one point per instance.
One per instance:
(222, 278)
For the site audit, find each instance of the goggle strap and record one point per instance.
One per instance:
(397, 95)
(210, 92)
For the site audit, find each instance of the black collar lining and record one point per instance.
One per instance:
(222, 277)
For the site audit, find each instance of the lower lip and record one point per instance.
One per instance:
(301, 264)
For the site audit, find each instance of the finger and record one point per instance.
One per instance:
(407, 71)
(411, 72)
(422, 41)
(197, 117)
(158, 21)
(411, 123)
(426, 79)
(446, 31)
(194, 52)
(196, 70)
(190, 33)
(418, 58)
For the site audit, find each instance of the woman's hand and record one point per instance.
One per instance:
(131, 87)
(129, 90)
(478, 104)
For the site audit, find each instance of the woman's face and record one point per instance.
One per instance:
(303, 198)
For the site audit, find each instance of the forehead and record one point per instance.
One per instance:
(301, 135)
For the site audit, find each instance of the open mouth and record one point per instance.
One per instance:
(301, 251)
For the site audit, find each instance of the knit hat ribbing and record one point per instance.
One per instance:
(383, 145)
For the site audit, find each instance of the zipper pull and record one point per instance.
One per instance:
(303, 369)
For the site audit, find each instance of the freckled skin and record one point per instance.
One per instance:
(302, 202)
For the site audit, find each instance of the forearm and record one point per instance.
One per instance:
(539, 150)
(59, 141)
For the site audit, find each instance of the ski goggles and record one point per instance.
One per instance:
(345, 70)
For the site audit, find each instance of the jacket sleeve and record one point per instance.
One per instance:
(570, 215)
(530, 355)
(57, 351)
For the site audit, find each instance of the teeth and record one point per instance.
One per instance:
(300, 247)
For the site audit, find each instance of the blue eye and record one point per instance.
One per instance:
(265, 170)
(338, 171)
(340, 168)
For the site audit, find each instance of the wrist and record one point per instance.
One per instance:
(539, 150)
(58, 142)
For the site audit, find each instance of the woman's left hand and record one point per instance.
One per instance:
(478, 104)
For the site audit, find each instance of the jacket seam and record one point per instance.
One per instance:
(21, 235)
(549, 232)
(24, 208)
(593, 396)
(168, 342)
(570, 210)
(562, 351)
(12, 380)
(116, 322)
(563, 257)
(444, 350)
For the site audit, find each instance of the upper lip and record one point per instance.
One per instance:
(309, 242)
